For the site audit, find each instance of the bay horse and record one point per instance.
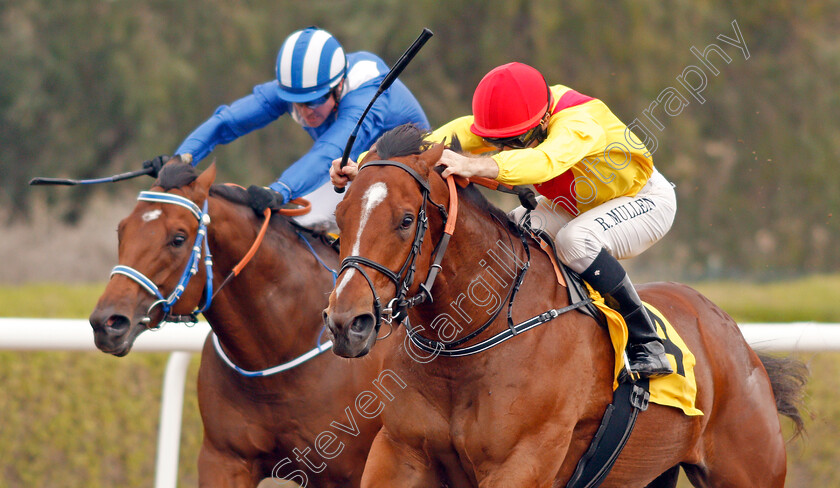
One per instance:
(522, 413)
(255, 426)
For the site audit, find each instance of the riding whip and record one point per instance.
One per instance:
(392, 75)
(110, 179)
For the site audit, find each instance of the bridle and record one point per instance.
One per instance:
(397, 307)
(191, 268)
(166, 303)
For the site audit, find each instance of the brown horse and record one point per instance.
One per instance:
(302, 424)
(522, 413)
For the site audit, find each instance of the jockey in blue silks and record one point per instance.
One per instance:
(325, 91)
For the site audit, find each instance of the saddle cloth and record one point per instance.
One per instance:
(677, 390)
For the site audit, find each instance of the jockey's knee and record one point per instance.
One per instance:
(516, 214)
(578, 246)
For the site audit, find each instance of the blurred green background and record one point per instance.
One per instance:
(92, 88)
(89, 420)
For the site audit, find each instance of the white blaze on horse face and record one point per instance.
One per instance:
(152, 215)
(372, 197)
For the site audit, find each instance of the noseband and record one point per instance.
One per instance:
(397, 308)
(166, 303)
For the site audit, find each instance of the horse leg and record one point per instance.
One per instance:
(391, 464)
(761, 462)
(221, 470)
(668, 479)
(742, 445)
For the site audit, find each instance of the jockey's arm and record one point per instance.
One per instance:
(342, 176)
(230, 122)
(459, 165)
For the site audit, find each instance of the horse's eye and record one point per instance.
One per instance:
(407, 221)
(178, 240)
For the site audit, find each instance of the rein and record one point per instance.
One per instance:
(305, 207)
(190, 270)
(397, 308)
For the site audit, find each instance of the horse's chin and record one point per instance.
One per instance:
(118, 346)
(353, 347)
(119, 349)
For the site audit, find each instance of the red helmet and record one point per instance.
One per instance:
(509, 100)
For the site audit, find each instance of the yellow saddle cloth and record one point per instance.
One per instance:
(675, 390)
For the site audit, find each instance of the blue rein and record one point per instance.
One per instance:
(191, 269)
(166, 303)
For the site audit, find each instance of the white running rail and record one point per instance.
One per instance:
(181, 341)
(77, 335)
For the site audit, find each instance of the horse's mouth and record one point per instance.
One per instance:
(118, 350)
(350, 347)
(344, 349)
(117, 342)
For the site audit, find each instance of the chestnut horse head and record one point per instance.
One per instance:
(161, 245)
(523, 413)
(191, 246)
(391, 220)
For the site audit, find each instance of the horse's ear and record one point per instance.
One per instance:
(207, 177)
(433, 154)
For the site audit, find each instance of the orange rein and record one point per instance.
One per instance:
(494, 185)
(453, 206)
(305, 207)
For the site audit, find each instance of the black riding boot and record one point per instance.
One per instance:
(645, 349)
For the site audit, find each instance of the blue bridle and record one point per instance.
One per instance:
(166, 303)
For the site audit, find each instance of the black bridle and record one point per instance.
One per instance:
(397, 308)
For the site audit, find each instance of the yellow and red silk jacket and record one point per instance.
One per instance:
(587, 158)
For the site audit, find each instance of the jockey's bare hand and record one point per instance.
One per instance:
(457, 164)
(341, 176)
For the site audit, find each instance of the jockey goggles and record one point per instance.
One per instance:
(521, 141)
(313, 104)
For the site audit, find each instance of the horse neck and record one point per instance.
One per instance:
(478, 270)
(271, 312)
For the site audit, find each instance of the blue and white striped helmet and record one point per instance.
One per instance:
(310, 63)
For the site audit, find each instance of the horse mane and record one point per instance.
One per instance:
(232, 193)
(176, 174)
(403, 140)
(408, 139)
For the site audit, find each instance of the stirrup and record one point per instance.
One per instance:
(627, 374)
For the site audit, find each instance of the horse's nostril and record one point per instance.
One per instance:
(117, 323)
(362, 323)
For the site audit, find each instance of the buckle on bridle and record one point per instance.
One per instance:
(147, 319)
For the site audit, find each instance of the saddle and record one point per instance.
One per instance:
(575, 285)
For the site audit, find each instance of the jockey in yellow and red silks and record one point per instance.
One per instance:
(601, 196)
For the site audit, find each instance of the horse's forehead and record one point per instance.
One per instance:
(374, 195)
(157, 212)
(152, 214)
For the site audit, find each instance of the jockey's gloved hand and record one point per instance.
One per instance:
(261, 198)
(155, 164)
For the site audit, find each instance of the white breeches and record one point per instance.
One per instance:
(322, 216)
(624, 226)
